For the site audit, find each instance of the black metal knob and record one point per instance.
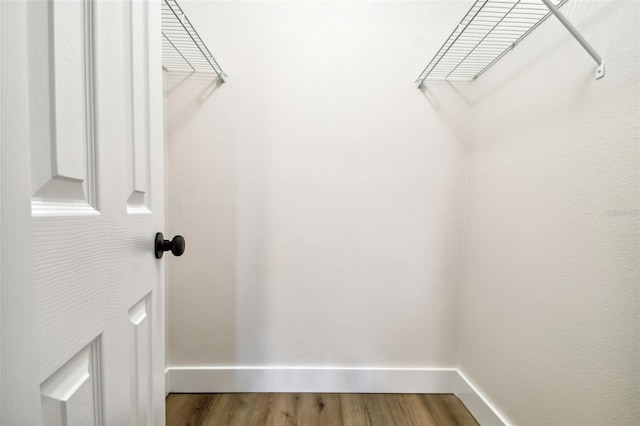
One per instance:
(176, 245)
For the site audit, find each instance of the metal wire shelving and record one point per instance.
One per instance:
(182, 47)
(489, 30)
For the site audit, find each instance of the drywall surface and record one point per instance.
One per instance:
(320, 193)
(550, 302)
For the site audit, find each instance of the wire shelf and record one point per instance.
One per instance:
(182, 47)
(489, 30)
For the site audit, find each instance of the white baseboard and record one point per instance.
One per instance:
(477, 404)
(332, 380)
(311, 379)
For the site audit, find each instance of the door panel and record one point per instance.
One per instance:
(71, 396)
(61, 106)
(137, 30)
(140, 362)
(98, 287)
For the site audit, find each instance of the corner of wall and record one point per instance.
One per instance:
(482, 409)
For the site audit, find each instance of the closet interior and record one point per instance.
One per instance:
(348, 233)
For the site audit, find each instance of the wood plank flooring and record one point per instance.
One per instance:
(311, 409)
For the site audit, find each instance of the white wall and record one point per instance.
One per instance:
(550, 309)
(320, 193)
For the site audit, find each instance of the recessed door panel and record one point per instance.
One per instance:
(71, 395)
(63, 172)
(140, 362)
(137, 74)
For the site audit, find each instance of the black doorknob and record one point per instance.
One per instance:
(176, 245)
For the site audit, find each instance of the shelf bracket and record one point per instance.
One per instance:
(576, 34)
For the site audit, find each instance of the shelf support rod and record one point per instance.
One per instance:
(576, 34)
(179, 52)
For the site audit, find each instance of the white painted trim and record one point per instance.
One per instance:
(311, 379)
(482, 409)
(167, 385)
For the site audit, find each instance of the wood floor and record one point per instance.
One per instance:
(309, 409)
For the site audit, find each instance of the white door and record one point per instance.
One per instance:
(97, 201)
